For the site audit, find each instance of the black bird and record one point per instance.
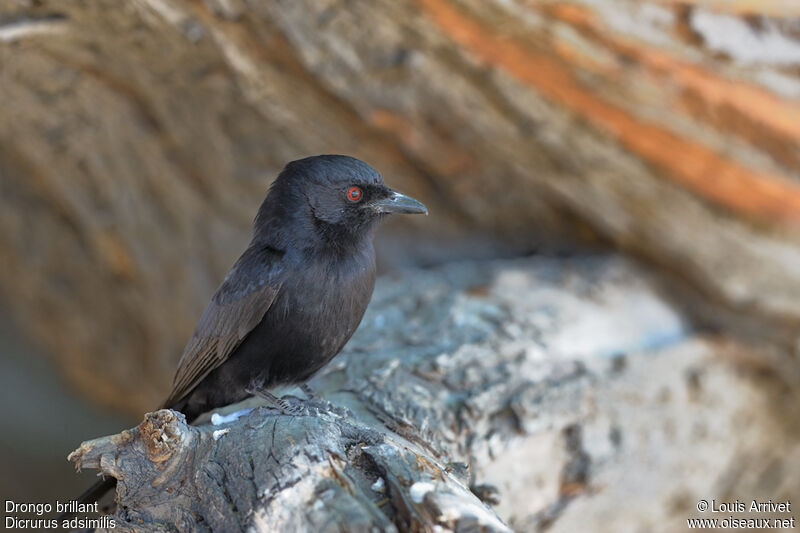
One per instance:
(295, 296)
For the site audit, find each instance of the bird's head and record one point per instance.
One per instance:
(336, 197)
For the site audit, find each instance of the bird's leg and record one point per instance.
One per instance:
(281, 404)
(292, 406)
(316, 399)
(308, 391)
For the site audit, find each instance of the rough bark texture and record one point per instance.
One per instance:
(559, 388)
(137, 139)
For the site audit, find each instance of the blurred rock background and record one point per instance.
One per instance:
(138, 138)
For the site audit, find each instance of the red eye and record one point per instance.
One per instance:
(354, 194)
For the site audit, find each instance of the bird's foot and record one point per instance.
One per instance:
(308, 391)
(320, 403)
(325, 405)
(294, 406)
(319, 406)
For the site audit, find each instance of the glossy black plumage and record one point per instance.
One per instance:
(299, 291)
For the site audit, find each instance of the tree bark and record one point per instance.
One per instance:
(139, 139)
(555, 389)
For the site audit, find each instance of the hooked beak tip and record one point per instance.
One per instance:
(399, 203)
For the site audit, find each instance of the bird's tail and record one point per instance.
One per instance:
(92, 494)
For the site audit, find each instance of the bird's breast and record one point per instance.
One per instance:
(333, 295)
(317, 311)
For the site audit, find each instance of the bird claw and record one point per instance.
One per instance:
(289, 405)
(294, 406)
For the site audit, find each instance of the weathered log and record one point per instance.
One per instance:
(135, 136)
(558, 387)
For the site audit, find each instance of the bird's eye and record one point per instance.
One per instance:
(354, 194)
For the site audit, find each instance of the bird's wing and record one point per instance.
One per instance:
(236, 308)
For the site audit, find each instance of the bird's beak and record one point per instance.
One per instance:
(398, 203)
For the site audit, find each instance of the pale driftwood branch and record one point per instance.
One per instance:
(277, 473)
(557, 387)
